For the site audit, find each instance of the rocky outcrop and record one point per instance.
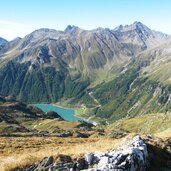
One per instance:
(132, 156)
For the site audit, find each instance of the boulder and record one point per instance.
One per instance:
(89, 158)
(45, 164)
(46, 161)
(133, 156)
(61, 158)
(81, 164)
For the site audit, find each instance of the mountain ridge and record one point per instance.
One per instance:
(43, 37)
(49, 65)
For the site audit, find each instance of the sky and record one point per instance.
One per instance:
(21, 17)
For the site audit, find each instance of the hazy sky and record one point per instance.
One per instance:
(20, 17)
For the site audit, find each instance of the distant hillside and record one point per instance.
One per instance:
(158, 124)
(48, 65)
(117, 73)
(142, 87)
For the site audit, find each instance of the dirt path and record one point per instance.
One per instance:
(95, 100)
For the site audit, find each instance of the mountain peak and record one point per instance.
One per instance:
(136, 25)
(44, 30)
(2, 41)
(70, 28)
(120, 27)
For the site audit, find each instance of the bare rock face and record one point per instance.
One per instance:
(2, 41)
(130, 157)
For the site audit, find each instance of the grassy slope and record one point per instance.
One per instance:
(48, 124)
(24, 151)
(147, 124)
(132, 94)
(21, 152)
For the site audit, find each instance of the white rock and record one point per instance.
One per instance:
(131, 156)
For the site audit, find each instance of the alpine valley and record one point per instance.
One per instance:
(116, 72)
(117, 80)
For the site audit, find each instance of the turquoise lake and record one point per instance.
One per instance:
(65, 113)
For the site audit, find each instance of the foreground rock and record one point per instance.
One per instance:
(132, 156)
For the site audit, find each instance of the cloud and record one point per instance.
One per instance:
(10, 30)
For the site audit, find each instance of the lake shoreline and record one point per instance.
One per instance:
(84, 119)
(75, 117)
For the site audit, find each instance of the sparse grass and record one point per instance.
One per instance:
(100, 76)
(159, 70)
(80, 111)
(164, 134)
(21, 152)
(147, 124)
(49, 124)
(9, 128)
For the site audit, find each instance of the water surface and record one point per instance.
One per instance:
(65, 113)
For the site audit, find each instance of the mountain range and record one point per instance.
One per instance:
(125, 69)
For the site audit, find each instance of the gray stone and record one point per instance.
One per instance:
(89, 158)
(82, 164)
(133, 156)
